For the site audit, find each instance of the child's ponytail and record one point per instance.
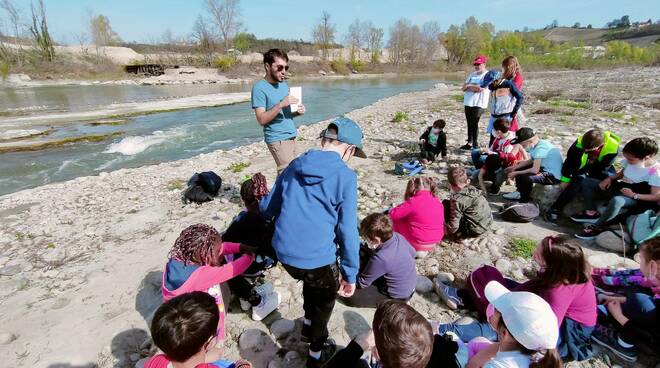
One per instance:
(546, 359)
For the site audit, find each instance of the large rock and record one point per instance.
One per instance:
(251, 339)
(282, 328)
(546, 195)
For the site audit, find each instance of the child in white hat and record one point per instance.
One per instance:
(526, 328)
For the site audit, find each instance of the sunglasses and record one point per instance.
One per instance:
(279, 68)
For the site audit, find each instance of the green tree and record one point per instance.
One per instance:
(244, 41)
(324, 34)
(102, 33)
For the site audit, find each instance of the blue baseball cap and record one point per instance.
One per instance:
(347, 132)
(490, 76)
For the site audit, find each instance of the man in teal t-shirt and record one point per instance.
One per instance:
(272, 106)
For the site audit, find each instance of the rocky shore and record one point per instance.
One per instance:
(81, 261)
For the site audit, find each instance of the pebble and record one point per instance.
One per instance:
(504, 265)
(10, 270)
(134, 357)
(499, 231)
(424, 284)
(250, 339)
(445, 277)
(282, 328)
(7, 338)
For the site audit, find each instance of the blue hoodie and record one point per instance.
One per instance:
(314, 202)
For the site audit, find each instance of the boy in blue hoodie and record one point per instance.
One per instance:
(314, 204)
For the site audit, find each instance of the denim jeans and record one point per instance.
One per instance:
(579, 185)
(614, 208)
(575, 340)
(467, 332)
(640, 308)
(478, 159)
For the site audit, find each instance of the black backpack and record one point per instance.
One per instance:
(519, 212)
(202, 187)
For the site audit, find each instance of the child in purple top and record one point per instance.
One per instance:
(564, 281)
(389, 265)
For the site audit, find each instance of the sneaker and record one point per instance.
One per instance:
(586, 218)
(466, 146)
(493, 190)
(608, 338)
(448, 294)
(551, 216)
(589, 233)
(327, 352)
(512, 195)
(269, 303)
(264, 289)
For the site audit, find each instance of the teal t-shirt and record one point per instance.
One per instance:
(268, 95)
(550, 156)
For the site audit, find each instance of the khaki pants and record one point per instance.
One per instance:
(283, 152)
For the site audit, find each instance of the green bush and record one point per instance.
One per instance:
(4, 69)
(339, 66)
(357, 65)
(237, 167)
(225, 62)
(399, 116)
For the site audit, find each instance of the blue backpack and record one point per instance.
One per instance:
(644, 226)
(410, 168)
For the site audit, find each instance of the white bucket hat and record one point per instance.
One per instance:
(528, 317)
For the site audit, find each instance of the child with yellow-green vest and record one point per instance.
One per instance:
(588, 161)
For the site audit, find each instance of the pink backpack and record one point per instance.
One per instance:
(476, 283)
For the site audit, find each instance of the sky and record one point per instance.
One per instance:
(147, 20)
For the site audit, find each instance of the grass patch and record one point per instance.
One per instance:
(176, 184)
(569, 103)
(237, 167)
(521, 247)
(110, 122)
(132, 211)
(411, 128)
(611, 115)
(633, 120)
(399, 116)
(457, 98)
(20, 236)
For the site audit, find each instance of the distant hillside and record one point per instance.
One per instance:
(595, 36)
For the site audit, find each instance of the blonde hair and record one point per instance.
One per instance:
(511, 67)
(416, 184)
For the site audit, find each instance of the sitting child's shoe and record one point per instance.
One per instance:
(264, 289)
(466, 146)
(551, 216)
(512, 195)
(493, 190)
(269, 303)
(586, 218)
(589, 233)
(608, 338)
(448, 294)
(327, 352)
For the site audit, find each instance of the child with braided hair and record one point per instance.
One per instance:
(196, 263)
(249, 227)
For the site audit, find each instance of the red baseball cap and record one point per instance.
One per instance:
(480, 60)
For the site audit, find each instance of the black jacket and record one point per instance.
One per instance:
(440, 148)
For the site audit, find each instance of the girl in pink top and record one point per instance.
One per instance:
(197, 263)
(420, 219)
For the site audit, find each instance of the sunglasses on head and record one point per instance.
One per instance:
(279, 68)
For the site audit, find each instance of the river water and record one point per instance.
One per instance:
(167, 136)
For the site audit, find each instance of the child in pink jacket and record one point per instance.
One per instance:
(197, 263)
(420, 219)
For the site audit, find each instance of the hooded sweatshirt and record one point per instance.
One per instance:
(314, 203)
(469, 211)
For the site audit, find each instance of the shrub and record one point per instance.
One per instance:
(522, 247)
(357, 65)
(176, 184)
(339, 66)
(225, 62)
(399, 116)
(237, 167)
(4, 69)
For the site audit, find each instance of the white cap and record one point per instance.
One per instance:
(528, 317)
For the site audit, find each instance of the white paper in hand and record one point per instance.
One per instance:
(297, 93)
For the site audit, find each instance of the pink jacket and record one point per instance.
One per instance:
(420, 220)
(209, 278)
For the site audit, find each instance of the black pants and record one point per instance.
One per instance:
(574, 188)
(320, 287)
(472, 115)
(369, 297)
(525, 183)
(242, 287)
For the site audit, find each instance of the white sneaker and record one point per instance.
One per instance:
(245, 305)
(264, 289)
(513, 195)
(269, 303)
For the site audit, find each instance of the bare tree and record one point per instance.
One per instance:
(324, 34)
(204, 37)
(355, 38)
(430, 40)
(226, 16)
(82, 38)
(102, 33)
(40, 34)
(373, 40)
(398, 41)
(15, 18)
